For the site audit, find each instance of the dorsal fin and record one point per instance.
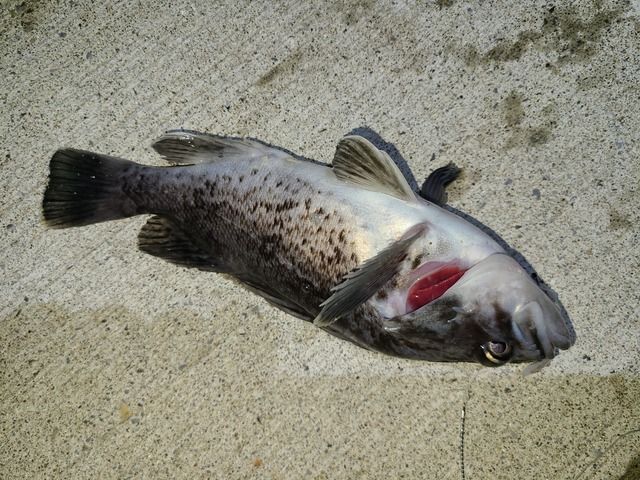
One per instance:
(360, 163)
(188, 147)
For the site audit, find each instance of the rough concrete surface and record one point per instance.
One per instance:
(115, 364)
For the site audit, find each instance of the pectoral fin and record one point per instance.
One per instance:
(433, 188)
(360, 285)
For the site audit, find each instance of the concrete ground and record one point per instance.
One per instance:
(114, 364)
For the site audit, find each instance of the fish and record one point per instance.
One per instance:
(348, 247)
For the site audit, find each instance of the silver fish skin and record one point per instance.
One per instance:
(349, 246)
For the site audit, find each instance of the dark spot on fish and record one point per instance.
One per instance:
(304, 241)
(354, 257)
(501, 315)
(266, 177)
(279, 184)
(337, 251)
(240, 178)
(382, 295)
(286, 205)
(226, 178)
(416, 262)
(307, 203)
(327, 216)
(319, 211)
(341, 236)
(254, 171)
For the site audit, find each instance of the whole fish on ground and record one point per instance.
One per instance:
(350, 247)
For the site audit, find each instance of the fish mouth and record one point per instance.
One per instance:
(434, 280)
(506, 290)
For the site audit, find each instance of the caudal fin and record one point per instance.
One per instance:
(86, 188)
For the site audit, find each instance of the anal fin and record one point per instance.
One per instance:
(164, 238)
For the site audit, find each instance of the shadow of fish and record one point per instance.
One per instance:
(349, 247)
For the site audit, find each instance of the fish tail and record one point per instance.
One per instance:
(86, 188)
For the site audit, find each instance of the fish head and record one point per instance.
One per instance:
(494, 314)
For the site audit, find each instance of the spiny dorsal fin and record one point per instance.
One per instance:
(361, 284)
(360, 163)
(188, 147)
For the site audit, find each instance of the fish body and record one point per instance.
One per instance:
(349, 246)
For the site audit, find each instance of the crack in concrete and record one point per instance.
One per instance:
(600, 455)
(462, 423)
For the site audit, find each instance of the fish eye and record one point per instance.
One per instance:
(497, 352)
